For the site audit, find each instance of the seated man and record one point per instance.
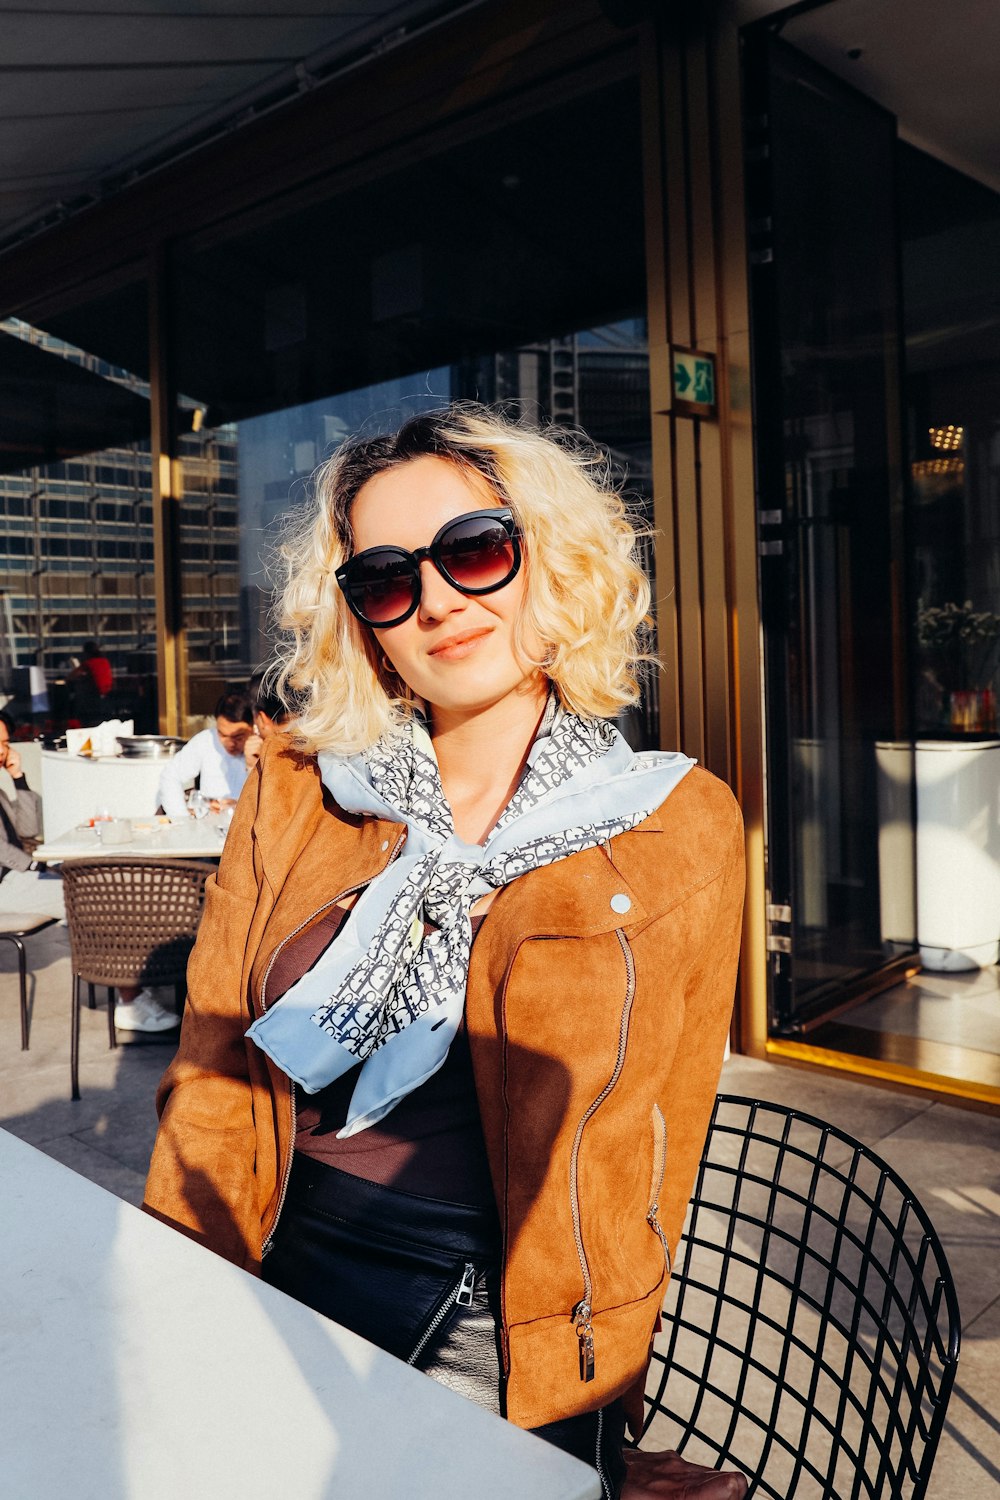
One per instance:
(270, 713)
(23, 888)
(214, 758)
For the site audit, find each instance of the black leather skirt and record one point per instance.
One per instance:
(420, 1278)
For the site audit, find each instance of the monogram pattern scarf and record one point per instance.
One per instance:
(390, 990)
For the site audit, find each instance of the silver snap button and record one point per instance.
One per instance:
(621, 902)
(385, 845)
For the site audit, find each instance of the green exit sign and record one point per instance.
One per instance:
(694, 382)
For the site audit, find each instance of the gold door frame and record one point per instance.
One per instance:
(706, 559)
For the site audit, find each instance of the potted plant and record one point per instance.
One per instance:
(959, 649)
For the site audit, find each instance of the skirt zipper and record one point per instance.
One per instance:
(459, 1296)
(583, 1311)
(351, 890)
(598, 1460)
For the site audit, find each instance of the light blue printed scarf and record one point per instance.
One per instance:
(389, 994)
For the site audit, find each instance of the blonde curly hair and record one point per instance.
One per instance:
(586, 596)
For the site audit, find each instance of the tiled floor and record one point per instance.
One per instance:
(960, 1010)
(949, 1156)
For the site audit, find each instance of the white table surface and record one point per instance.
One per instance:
(192, 838)
(136, 1365)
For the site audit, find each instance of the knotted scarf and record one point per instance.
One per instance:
(389, 990)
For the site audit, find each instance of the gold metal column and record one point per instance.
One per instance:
(171, 658)
(706, 561)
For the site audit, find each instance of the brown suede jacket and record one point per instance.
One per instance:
(596, 1025)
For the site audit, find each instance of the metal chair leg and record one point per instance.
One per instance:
(112, 1035)
(92, 996)
(22, 974)
(74, 1043)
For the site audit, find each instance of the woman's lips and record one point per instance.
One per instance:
(458, 646)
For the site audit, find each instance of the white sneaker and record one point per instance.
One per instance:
(144, 1013)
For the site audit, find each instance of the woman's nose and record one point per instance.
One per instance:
(438, 597)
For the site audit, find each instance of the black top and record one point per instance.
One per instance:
(431, 1144)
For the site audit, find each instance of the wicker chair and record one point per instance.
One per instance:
(811, 1329)
(131, 922)
(14, 928)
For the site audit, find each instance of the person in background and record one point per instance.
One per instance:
(139, 1010)
(93, 680)
(270, 713)
(213, 758)
(23, 887)
(98, 668)
(20, 815)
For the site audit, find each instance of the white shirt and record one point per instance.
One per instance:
(222, 774)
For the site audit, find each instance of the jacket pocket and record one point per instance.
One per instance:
(656, 1181)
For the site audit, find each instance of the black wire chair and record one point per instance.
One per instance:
(811, 1328)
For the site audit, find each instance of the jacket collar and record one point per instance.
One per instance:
(588, 893)
(311, 851)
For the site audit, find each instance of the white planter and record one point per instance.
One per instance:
(958, 853)
(896, 853)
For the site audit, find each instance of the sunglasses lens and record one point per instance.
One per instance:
(382, 586)
(477, 553)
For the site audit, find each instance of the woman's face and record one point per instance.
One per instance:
(456, 651)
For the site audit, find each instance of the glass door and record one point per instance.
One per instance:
(825, 303)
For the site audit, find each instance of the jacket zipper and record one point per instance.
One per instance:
(583, 1311)
(459, 1296)
(656, 1182)
(267, 1244)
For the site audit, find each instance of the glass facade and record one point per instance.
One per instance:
(240, 480)
(877, 392)
(479, 272)
(210, 542)
(76, 556)
(840, 851)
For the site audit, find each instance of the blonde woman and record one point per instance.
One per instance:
(459, 1001)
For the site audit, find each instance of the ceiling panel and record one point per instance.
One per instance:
(36, 144)
(135, 40)
(936, 68)
(90, 94)
(95, 92)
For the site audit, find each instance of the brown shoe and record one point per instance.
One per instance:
(667, 1476)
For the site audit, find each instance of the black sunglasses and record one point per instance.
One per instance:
(476, 553)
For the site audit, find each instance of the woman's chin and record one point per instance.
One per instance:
(470, 696)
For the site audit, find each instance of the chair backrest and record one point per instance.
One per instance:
(133, 921)
(811, 1328)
